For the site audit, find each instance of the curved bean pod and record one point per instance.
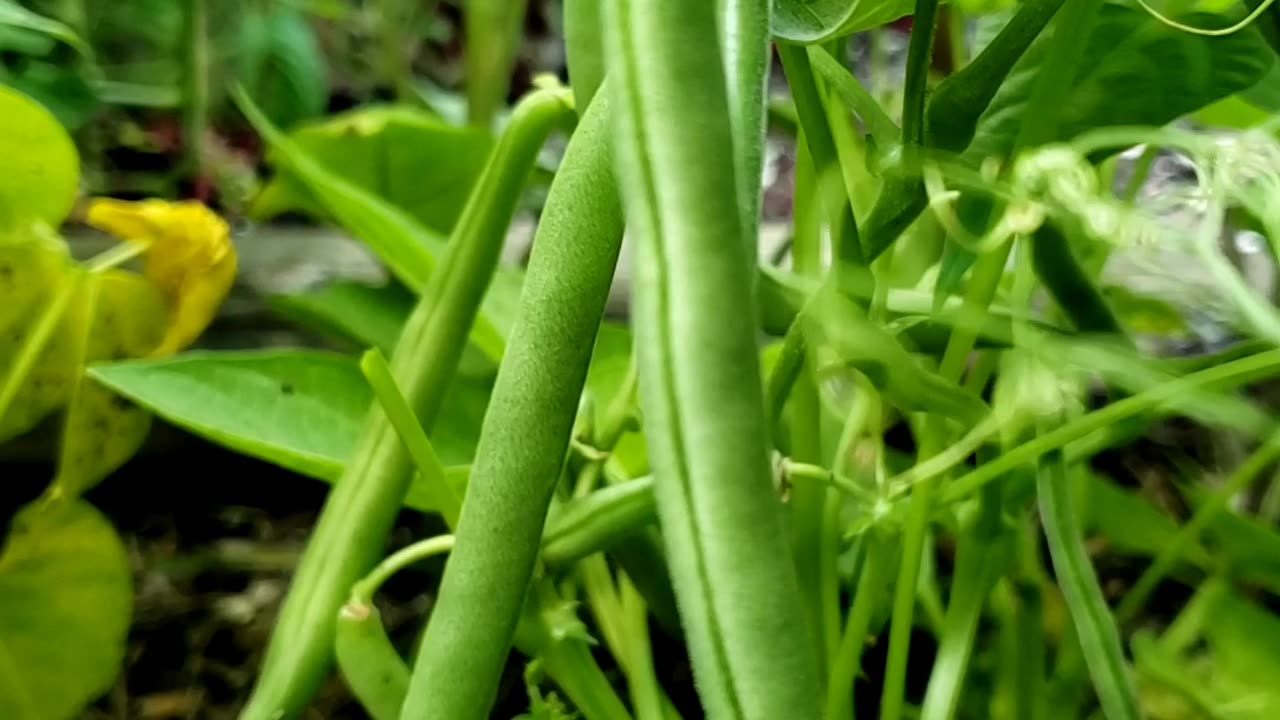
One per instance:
(695, 319)
(525, 434)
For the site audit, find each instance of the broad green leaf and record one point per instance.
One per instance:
(1244, 644)
(281, 64)
(352, 311)
(815, 21)
(14, 15)
(1125, 77)
(65, 603)
(409, 250)
(405, 156)
(41, 168)
(299, 409)
(1129, 523)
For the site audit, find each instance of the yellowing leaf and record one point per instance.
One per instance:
(37, 371)
(41, 167)
(119, 315)
(190, 259)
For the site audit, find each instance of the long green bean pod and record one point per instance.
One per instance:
(700, 382)
(358, 515)
(525, 434)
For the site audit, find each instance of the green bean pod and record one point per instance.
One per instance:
(597, 521)
(700, 380)
(525, 434)
(361, 509)
(375, 672)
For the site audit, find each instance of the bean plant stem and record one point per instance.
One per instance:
(1230, 374)
(493, 36)
(1190, 533)
(195, 65)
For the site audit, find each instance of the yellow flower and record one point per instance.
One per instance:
(190, 258)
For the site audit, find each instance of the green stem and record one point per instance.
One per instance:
(1189, 534)
(848, 663)
(195, 106)
(493, 30)
(646, 694)
(1231, 374)
(400, 415)
(1095, 627)
(363, 591)
(924, 27)
(1028, 664)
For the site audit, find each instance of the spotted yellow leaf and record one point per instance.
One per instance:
(118, 315)
(190, 259)
(37, 287)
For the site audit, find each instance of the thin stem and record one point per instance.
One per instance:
(915, 86)
(30, 350)
(1190, 533)
(646, 694)
(363, 591)
(848, 662)
(1095, 627)
(400, 414)
(195, 106)
(1229, 374)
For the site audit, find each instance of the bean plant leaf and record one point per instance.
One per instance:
(816, 21)
(1124, 77)
(281, 64)
(37, 372)
(119, 315)
(13, 15)
(42, 170)
(65, 603)
(362, 314)
(409, 249)
(299, 409)
(405, 156)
